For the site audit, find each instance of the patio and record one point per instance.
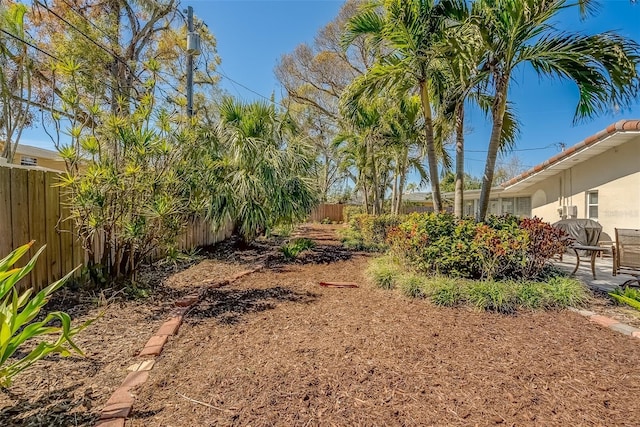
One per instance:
(604, 281)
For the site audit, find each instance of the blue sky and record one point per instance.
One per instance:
(252, 35)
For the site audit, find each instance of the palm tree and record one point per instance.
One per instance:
(260, 172)
(405, 134)
(519, 32)
(404, 34)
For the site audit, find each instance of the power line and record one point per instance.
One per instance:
(519, 149)
(20, 39)
(70, 6)
(248, 88)
(110, 52)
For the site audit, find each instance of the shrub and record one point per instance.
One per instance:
(348, 212)
(296, 246)
(502, 251)
(17, 312)
(493, 296)
(627, 296)
(445, 291)
(369, 232)
(437, 243)
(384, 272)
(412, 285)
(566, 292)
(504, 247)
(544, 242)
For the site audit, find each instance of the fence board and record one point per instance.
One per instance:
(32, 207)
(332, 212)
(6, 235)
(20, 210)
(37, 229)
(52, 203)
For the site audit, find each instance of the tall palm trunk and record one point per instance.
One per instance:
(432, 161)
(394, 188)
(403, 179)
(497, 112)
(458, 203)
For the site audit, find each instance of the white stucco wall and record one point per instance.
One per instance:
(614, 174)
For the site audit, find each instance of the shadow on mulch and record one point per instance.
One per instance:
(267, 252)
(56, 408)
(229, 305)
(141, 415)
(325, 254)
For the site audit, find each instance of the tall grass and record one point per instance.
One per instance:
(384, 272)
(497, 296)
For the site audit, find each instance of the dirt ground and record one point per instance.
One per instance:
(274, 348)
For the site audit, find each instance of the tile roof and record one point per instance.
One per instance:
(620, 126)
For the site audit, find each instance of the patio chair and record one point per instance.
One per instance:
(626, 255)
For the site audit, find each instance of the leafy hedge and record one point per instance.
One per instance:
(503, 247)
(369, 232)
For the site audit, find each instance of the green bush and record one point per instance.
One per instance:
(384, 272)
(17, 314)
(445, 291)
(412, 285)
(505, 296)
(566, 292)
(369, 232)
(348, 212)
(437, 243)
(627, 296)
(500, 297)
(295, 247)
(504, 247)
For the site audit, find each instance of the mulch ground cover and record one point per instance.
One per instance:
(275, 348)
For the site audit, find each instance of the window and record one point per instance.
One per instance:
(469, 208)
(28, 161)
(507, 206)
(592, 205)
(494, 205)
(523, 206)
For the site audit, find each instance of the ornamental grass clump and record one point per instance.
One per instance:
(628, 296)
(295, 247)
(384, 272)
(17, 313)
(412, 285)
(501, 296)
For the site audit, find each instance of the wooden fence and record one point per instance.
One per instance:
(33, 208)
(334, 212)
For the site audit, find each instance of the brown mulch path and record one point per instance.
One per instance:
(71, 391)
(275, 348)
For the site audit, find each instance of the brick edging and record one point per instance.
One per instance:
(608, 322)
(120, 404)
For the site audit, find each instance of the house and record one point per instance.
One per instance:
(598, 178)
(27, 155)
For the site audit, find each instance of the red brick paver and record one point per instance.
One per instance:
(603, 320)
(113, 422)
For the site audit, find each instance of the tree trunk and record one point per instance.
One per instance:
(432, 161)
(497, 112)
(458, 204)
(394, 189)
(403, 179)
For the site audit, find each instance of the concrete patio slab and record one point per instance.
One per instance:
(605, 281)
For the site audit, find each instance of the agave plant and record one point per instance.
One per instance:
(17, 313)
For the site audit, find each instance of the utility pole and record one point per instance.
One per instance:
(190, 54)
